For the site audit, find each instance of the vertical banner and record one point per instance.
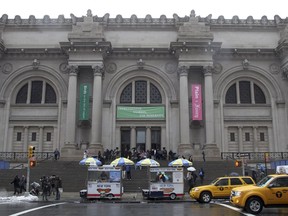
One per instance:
(196, 102)
(84, 101)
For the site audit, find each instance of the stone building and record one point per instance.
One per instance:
(183, 83)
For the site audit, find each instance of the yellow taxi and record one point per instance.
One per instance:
(270, 191)
(220, 188)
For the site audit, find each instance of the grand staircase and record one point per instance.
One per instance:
(74, 176)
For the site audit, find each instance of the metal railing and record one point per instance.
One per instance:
(22, 156)
(255, 155)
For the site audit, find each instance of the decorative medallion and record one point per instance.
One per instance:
(171, 67)
(111, 67)
(63, 67)
(274, 68)
(217, 68)
(7, 68)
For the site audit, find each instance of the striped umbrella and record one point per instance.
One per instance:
(180, 162)
(122, 161)
(147, 162)
(90, 161)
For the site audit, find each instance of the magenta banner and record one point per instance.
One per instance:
(196, 102)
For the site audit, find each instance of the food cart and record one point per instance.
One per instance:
(165, 182)
(103, 182)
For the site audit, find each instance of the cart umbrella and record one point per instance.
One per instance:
(122, 161)
(148, 162)
(90, 161)
(180, 162)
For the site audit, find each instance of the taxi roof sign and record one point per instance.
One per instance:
(282, 169)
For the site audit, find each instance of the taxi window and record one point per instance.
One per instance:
(280, 182)
(222, 182)
(235, 181)
(248, 180)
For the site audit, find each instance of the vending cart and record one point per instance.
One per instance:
(165, 182)
(103, 182)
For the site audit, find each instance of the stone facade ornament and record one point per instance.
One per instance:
(17, 20)
(208, 70)
(63, 67)
(6, 68)
(148, 19)
(183, 70)
(73, 69)
(35, 64)
(170, 67)
(4, 18)
(98, 69)
(274, 68)
(245, 64)
(140, 64)
(32, 20)
(110, 67)
(217, 68)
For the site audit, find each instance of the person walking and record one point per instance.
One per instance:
(58, 187)
(56, 154)
(128, 172)
(16, 183)
(203, 155)
(22, 183)
(201, 175)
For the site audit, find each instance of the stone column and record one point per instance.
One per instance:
(25, 138)
(40, 147)
(148, 138)
(96, 129)
(71, 110)
(133, 137)
(255, 139)
(240, 138)
(185, 147)
(211, 149)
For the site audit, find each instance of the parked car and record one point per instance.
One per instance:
(270, 191)
(219, 188)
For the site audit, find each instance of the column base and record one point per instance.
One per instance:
(185, 150)
(70, 151)
(211, 151)
(94, 148)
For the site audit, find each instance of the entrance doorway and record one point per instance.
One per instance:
(125, 141)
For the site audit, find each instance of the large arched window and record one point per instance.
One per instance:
(36, 92)
(245, 92)
(141, 92)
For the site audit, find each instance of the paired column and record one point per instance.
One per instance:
(209, 105)
(184, 106)
(96, 129)
(71, 106)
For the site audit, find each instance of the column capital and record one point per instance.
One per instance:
(183, 70)
(98, 69)
(208, 70)
(73, 70)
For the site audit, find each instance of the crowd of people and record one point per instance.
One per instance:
(49, 185)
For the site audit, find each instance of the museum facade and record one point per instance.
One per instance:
(182, 83)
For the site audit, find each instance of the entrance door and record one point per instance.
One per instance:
(141, 139)
(125, 141)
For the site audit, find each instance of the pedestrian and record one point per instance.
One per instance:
(58, 187)
(190, 181)
(128, 172)
(203, 154)
(86, 153)
(254, 175)
(201, 175)
(56, 154)
(16, 183)
(46, 187)
(22, 184)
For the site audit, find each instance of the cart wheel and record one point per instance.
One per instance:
(110, 196)
(173, 196)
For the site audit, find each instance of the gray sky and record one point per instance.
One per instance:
(156, 8)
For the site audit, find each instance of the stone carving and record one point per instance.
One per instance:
(245, 64)
(89, 13)
(274, 68)
(148, 19)
(73, 19)
(221, 20)
(119, 19)
(208, 70)
(217, 68)
(285, 72)
(170, 67)
(235, 20)
(111, 67)
(183, 70)
(277, 19)
(35, 64)
(208, 18)
(7, 68)
(163, 19)
(32, 20)
(73, 69)
(98, 69)
(133, 19)
(4, 18)
(63, 67)
(61, 19)
(176, 17)
(46, 19)
(264, 20)
(250, 20)
(140, 64)
(17, 20)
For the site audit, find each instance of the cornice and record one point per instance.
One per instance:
(148, 21)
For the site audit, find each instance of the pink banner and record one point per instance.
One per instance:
(196, 102)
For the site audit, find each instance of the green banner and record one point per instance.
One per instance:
(135, 112)
(84, 101)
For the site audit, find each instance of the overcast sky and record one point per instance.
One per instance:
(156, 8)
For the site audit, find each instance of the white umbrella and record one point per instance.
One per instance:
(191, 169)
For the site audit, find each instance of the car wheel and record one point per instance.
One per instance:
(205, 197)
(173, 196)
(254, 205)
(110, 196)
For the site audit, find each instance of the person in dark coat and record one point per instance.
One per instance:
(23, 184)
(16, 183)
(58, 184)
